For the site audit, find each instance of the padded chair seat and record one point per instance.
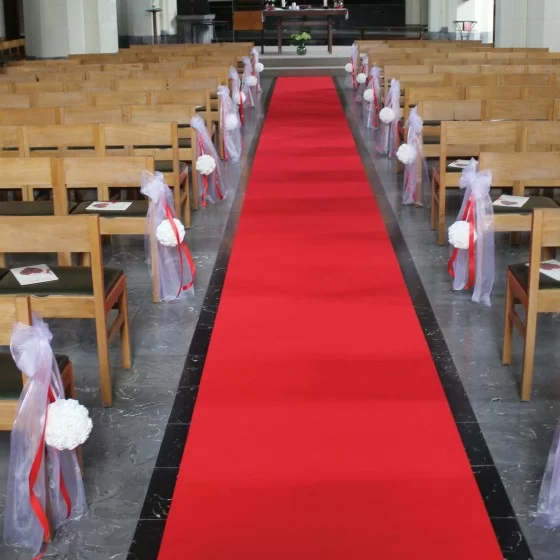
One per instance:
(31, 208)
(432, 123)
(184, 143)
(72, 281)
(433, 140)
(528, 207)
(135, 210)
(11, 382)
(166, 166)
(521, 274)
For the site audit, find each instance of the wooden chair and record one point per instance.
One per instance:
(12, 380)
(80, 292)
(91, 115)
(116, 98)
(38, 87)
(60, 99)
(12, 142)
(180, 114)
(513, 109)
(140, 85)
(15, 101)
(160, 141)
(61, 140)
(35, 115)
(465, 140)
(536, 292)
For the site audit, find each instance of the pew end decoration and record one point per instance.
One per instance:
(249, 82)
(230, 125)
(372, 97)
(390, 117)
(166, 249)
(471, 264)
(548, 507)
(352, 68)
(211, 183)
(237, 95)
(362, 77)
(45, 488)
(258, 67)
(411, 155)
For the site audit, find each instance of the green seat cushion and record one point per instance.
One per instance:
(136, 209)
(521, 274)
(528, 207)
(431, 140)
(32, 208)
(164, 166)
(184, 143)
(72, 280)
(11, 382)
(432, 123)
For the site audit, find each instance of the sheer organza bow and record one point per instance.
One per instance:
(372, 102)
(389, 142)
(230, 125)
(413, 171)
(45, 487)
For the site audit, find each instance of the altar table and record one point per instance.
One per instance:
(325, 15)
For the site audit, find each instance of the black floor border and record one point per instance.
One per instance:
(153, 516)
(498, 506)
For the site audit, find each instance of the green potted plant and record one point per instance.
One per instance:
(301, 39)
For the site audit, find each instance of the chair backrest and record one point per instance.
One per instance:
(61, 76)
(35, 115)
(114, 98)
(545, 232)
(494, 92)
(12, 142)
(447, 110)
(15, 101)
(414, 94)
(13, 310)
(517, 110)
(522, 169)
(61, 99)
(180, 114)
(140, 85)
(541, 136)
(90, 85)
(471, 79)
(84, 115)
(38, 87)
(62, 140)
(24, 174)
(101, 173)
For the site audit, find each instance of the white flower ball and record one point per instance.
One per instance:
(368, 95)
(406, 153)
(252, 81)
(232, 122)
(387, 115)
(166, 236)
(68, 424)
(205, 164)
(459, 234)
(240, 98)
(348, 67)
(259, 67)
(361, 78)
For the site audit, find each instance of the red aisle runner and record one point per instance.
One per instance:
(321, 430)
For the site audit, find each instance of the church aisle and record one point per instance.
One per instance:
(321, 430)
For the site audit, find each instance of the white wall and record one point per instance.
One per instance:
(442, 13)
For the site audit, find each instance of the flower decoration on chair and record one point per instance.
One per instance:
(211, 181)
(390, 117)
(361, 78)
(166, 249)
(258, 67)
(409, 155)
(45, 488)
(68, 425)
(230, 126)
(471, 264)
(352, 68)
(248, 82)
(236, 94)
(372, 96)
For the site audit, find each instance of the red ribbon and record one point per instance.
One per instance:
(241, 109)
(34, 475)
(468, 215)
(183, 251)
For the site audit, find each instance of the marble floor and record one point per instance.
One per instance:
(507, 441)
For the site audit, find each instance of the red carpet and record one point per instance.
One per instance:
(321, 430)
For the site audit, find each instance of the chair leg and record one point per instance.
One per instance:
(126, 355)
(508, 327)
(528, 354)
(104, 360)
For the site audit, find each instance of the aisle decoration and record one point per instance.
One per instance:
(411, 155)
(362, 77)
(372, 97)
(229, 125)
(352, 68)
(258, 67)
(211, 185)
(45, 434)
(548, 507)
(165, 243)
(237, 95)
(390, 117)
(472, 237)
(249, 83)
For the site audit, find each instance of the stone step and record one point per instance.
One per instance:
(305, 61)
